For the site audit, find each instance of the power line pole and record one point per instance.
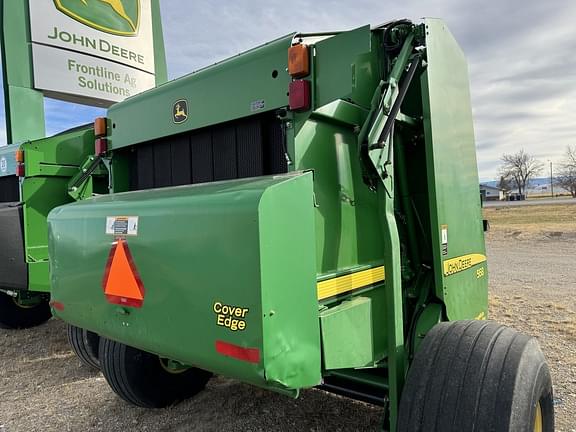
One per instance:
(551, 180)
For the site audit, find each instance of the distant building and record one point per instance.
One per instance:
(491, 193)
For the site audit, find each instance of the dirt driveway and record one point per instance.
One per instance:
(533, 288)
(532, 269)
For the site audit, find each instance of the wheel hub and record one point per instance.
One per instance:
(538, 419)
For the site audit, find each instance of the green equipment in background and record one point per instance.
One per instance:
(304, 214)
(34, 182)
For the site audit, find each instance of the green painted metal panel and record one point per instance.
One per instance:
(39, 275)
(453, 183)
(159, 50)
(49, 164)
(347, 223)
(24, 106)
(288, 278)
(59, 155)
(242, 243)
(339, 72)
(238, 87)
(40, 195)
(344, 334)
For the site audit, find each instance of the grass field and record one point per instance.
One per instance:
(552, 218)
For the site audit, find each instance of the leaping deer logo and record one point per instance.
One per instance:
(120, 17)
(118, 7)
(180, 111)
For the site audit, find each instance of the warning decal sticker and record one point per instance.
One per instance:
(122, 225)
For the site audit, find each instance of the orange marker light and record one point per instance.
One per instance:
(122, 284)
(100, 127)
(298, 61)
(19, 156)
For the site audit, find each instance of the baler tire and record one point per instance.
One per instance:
(85, 345)
(139, 378)
(15, 316)
(477, 375)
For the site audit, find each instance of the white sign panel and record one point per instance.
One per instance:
(72, 37)
(62, 71)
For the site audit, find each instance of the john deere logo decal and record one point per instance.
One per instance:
(118, 17)
(180, 111)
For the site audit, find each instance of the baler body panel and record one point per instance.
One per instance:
(246, 244)
(49, 163)
(347, 220)
(248, 84)
(461, 277)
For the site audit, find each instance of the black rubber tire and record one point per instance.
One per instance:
(85, 345)
(13, 316)
(476, 376)
(139, 378)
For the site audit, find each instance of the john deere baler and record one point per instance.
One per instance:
(34, 179)
(304, 214)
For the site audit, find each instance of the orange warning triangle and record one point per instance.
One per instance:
(122, 284)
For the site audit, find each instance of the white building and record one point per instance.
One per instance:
(491, 193)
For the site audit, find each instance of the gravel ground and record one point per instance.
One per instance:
(43, 387)
(533, 289)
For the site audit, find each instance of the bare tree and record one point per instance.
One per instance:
(519, 168)
(566, 177)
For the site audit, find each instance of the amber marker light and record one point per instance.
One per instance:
(298, 61)
(100, 127)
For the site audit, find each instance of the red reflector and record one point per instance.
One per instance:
(20, 170)
(57, 305)
(101, 146)
(299, 98)
(251, 355)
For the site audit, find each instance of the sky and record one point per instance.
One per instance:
(521, 57)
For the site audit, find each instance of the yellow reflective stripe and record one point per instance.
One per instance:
(461, 263)
(349, 282)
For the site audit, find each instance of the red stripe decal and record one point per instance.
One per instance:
(251, 355)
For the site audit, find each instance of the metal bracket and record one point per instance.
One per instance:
(78, 186)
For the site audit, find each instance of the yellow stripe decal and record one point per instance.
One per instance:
(458, 264)
(349, 282)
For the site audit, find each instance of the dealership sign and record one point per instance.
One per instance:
(92, 51)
